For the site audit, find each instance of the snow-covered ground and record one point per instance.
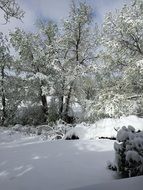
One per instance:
(29, 163)
(135, 183)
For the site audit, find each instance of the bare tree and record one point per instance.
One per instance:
(11, 9)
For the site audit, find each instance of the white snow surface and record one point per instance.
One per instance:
(28, 163)
(105, 127)
(134, 183)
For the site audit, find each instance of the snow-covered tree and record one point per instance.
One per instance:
(121, 57)
(76, 52)
(36, 54)
(4, 64)
(123, 33)
(11, 85)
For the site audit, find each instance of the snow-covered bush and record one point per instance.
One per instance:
(59, 130)
(112, 105)
(129, 152)
(80, 131)
(45, 132)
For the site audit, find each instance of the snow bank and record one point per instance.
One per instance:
(105, 127)
(80, 130)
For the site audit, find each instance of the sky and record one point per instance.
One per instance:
(55, 10)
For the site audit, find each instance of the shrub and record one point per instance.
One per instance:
(31, 115)
(129, 152)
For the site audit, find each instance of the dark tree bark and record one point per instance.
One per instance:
(61, 107)
(68, 100)
(61, 100)
(42, 97)
(3, 118)
(44, 103)
(67, 118)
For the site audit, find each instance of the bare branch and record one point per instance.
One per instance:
(11, 9)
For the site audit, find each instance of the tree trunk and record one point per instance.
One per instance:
(44, 103)
(68, 100)
(3, 118)
(42, 97)
(78, 39)
(61, 100)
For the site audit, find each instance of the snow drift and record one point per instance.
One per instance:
(104, 128)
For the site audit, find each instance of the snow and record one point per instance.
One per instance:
(81, 130)
(132, 155)
(123, 134)
(10, 138)
(32, 164)
(105, 128)
(28, 163)
(135, 183)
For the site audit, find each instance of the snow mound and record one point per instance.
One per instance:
(104, 128)
(80, 131)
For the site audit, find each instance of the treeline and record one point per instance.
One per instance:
(61, 68)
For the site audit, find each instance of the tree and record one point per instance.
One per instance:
(11, 9)
(4, 59)
(122, 41)
(122, 36)
(76, 52)
(36, 54)
(10, 88)
(123, 31)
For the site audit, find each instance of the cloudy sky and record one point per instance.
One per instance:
(56, 10)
